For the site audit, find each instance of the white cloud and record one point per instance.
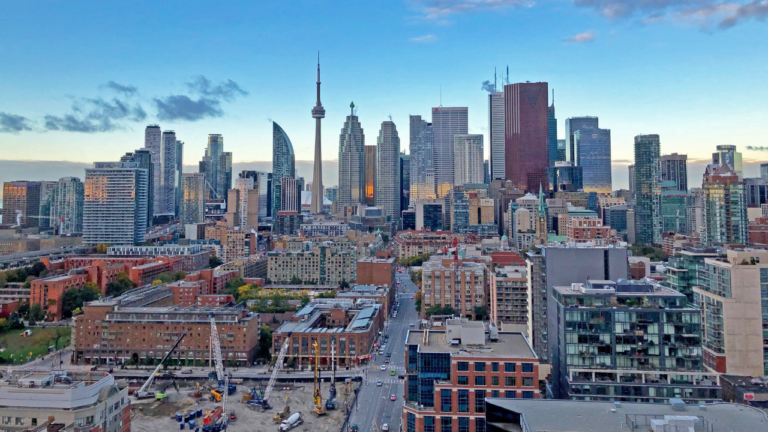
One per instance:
(582, 38)
(424, 39)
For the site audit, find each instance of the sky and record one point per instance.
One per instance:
(81, 79)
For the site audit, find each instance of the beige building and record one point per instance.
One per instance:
(731, 294)
(254, 266)
(460, 284)
(508, 302)
(481, 211)
(233, 242)
(323, 264)
(411, 243)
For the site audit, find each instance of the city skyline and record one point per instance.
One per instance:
(240, 104)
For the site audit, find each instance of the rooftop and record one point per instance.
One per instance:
(46, 390)
(311, 317)
(509, 345)
(377, 260)
(568, 415)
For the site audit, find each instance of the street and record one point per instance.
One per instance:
(373, 403)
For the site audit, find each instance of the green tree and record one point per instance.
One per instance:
(344, 284)
(121, 285)
(327, 294)
(76, 298)
(36, 313)
(295, 281)
(480, 312)
(15, 322)
(23, 308)
(439, 310)
(180, 275)
(36, 269)
(165, 278)
(417, 301)
(265, 342)
(233, 285)
(214, 262)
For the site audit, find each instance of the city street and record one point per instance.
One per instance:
(374, 404)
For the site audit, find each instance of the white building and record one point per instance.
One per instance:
(153, 143)
(496, 134)
(388, 170)
(446, 122)
(468, 159)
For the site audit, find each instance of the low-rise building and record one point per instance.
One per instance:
(376, 271)
(254, 266)
(450, 373)
(408, 244)
(49, 292)
(583, 229)
(460, 284)
(22, 295)
(509, 298)
(214, 300)
(234, 243)
(381, 294)
(47, 401)
(287, 223)
(322, 265)
(324, 228)
(215, 279)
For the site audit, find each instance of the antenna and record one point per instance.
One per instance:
(553, 96)
(494, 79)
(507, 73)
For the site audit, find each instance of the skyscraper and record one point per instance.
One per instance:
(496, 134)
(552, 132)
(290, 195)
(592, 148)
(115, 204)
(144, 158)
(727, 154)
(248, 201)
(573, 125)
(725, 207)
(632, 190)
(153, 143)
(283, 164)
(405, 181)
(526, 120)
(21, 199)
(169, 173)
(446, 122)
(370, 174)
(422, 162)
(178, 188)
(67, 198)
(467, 159)
(351, 161)
(225, 172)
(214, 151)
(193, 198)
(318, 113)
(674, 168)
(647, 189)
(388, 170)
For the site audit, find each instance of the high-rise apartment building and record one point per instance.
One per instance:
(144, 158)
(496, 134)
(261, 182)
(193, 198)
(45, 205)
(727, 154)
(388, 170)
(422, 159)
(457, 284)
(225, 172)
(552, 132)
(247, 205)
(168, 177)
(446, 122)
(647, 189)
(467, 159)
(508, 301)
(283, 163)
(66, 206)
(405, 181)
(725, 207)
(674, 167)
(290, 194)
(214, 151)
(179, 171)
(115, 203)
(632, 191)
(694, 207)
(153, 142)
(21, 201)
(526, 133)
(351, 161)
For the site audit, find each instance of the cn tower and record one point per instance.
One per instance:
(318, 112)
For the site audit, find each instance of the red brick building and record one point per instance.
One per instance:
(583, 229)
(758, 231)
(466, 365)
(215, 280)
(214, 300)
(49, 292)
(376, 271)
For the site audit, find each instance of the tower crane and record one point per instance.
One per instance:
(263, 401)
(317, 397)
(144, 392)
(219, 367)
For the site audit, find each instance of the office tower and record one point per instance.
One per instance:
(225, 172)
(674, 167)
(351, 161)
(487, 172)
(214, 151)
(561, 150)
(66, 206)
(370, 175)
(21, 203)
(496, 134)
(429, 214)
(525, 140)
(144, 158)
(193, 198)
(318, 113)
(727, 154)
(589, 146)
(168, 178)
(446, 122)
(764, 170)
(566, 177)
(290, 195)
(467, 159)
(153, 142)
(632, 191)
(552, 132)
(179, 171)
(283, 163)
(388, 170)
(115, 203)
(422, 159)
(405, 181)
(725, 207)
(332, 192)
(647, 189)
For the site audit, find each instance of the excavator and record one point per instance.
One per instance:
(317, 397)
(285, 413)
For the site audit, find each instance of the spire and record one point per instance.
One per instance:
(318, 78)
(352, 108)
(541, 201)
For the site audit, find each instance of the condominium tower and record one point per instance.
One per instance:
(193, 198)
(647, 183)
(283, 163)
(168, 177)
(674, 167)
(153, 143)
(66, 206)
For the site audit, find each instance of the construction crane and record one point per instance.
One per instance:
(330, 404)
(221, 377)
(317, 397)
(144, 392)
(264, 400)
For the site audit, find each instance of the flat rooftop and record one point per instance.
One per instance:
(510, 344)
(568, 415)
(658, 291)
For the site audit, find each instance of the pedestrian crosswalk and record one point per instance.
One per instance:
(384, 381)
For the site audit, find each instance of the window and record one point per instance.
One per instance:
(509, 367)
(463, 366)
(495, 367)
(479, 424)
(495, 393)
(479, 380)
(494, 380)
(463, 401)
(527, 395)
(463, 380)
(6, 420)
(463, 424)
(19, 421)
(445, 400)
(446, 424)
(411, 422)
(510, 394)
(429, 424)
(479, 401)
(510, 381)
(527, 367)
(479, 366)
(527, 382)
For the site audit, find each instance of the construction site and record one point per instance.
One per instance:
(165, 402)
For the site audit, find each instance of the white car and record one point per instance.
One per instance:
(385, 428)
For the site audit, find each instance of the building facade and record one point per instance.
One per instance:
(647, 182)
(323, 264)
(115, 204)
(674, 167)
(725, 207)
(283, 163)
(21, 203)
(422, 164)
(508, 302)
(66, 206)
(388, 170)
(496, 134)
(457, 284)
(193, 199)
(351, 161)
(467, 159)
(446, 122)
(525, 140)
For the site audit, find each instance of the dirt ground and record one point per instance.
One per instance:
(152, 416)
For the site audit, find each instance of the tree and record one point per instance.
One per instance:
(214, 262)
(165, 278)
(328, 294)
(417, 301)
(180, 275)
(439, 310)
(265, 342)
(36, 313)
(295, 281)
(121, 285)
(480, 312)
(102, 248)
(36, 269)
(75, 299)
(234, 285)
(23, 308)
(344, 284)
(15, 322)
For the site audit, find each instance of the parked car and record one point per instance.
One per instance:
(186, 371)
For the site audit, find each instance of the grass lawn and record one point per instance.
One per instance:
(37, 343)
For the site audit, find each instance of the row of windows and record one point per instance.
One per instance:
(480, 380)
(463, 366)
(446, 424)
(446, 399)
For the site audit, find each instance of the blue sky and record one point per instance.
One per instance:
(692, 71)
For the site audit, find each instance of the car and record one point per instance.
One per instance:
(400, 376)
(392, 397)
(386, 360)
(411, 324)
(186, 371)
(393, 372)
(411, 297)
(389, 354)
(383, 346)
(379, 383)
(385, 428)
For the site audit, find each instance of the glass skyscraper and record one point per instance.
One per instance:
(593, 154)
(674, 167)
(446, 122)
(525, 141)
(422, 164)
(351, 161)
(283, 163)
(388, 170)
(647, 189)
(725, 207)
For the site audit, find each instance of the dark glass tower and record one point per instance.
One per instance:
(526, 112)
